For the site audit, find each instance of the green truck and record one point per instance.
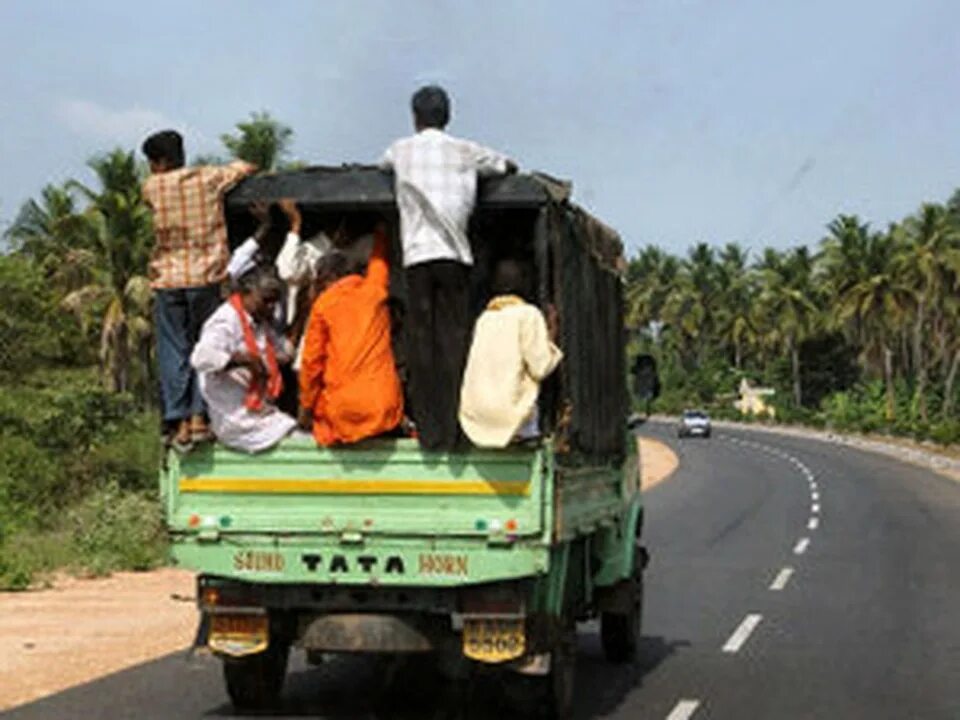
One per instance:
(485, 558)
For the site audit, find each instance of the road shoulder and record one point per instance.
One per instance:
(83, 629)
(657, 462)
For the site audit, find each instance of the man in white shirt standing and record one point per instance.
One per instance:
(436, 188)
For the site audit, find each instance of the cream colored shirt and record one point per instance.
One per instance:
(510, 356)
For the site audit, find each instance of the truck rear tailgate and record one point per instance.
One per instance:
(380, 488)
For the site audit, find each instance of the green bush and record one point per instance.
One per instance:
(15, 572)
(63, 411)
(33, 330)
(946, 432)
(31, 481)
(113, 529)
(128, 456)
(28, 554)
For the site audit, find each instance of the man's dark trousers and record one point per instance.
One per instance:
(438, 331)
(179, 315)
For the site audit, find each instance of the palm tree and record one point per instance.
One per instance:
(120, 292)
(870, 293)
(930, 262)
(737, 289)
(787, 296)
(56, 235)
(650, 277)
(843, 263)
(262, 141)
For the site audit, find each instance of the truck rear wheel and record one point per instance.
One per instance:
(620, 632)
(550, 696)
(254, 682)
(558, 704)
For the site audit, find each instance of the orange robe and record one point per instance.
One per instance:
(348, 378)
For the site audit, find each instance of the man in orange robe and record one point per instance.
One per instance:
(348, 380)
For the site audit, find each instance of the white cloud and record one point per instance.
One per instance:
(125, 126)
(88, 118)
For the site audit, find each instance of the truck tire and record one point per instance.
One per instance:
(558, 703)
(550, 696)
(620, 632)
(255, 682)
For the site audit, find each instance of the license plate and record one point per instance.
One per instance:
(493, 640)
(238, 635)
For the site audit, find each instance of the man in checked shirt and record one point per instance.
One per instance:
(436, 187)
(187, 267)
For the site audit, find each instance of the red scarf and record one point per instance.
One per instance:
(256, 389)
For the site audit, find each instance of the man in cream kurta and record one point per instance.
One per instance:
(511, 354)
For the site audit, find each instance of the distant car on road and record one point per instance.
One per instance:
(694, 423)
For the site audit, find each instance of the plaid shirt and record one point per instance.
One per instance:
(436, 188)
(190, 246)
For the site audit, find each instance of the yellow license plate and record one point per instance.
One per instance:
(238, 635)
(494, 640)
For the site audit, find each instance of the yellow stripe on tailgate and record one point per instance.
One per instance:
(360, 486)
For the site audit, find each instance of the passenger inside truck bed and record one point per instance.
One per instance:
(513, 350)
(238, 358)
(493, 288)
(349, 388)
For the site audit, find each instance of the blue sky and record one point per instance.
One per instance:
(679, 120)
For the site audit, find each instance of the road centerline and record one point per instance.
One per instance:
(683, 710)
(781, 580)
(742, 633)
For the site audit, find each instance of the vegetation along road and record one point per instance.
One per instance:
(790, 579)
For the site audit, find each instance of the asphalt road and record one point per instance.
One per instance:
(789, 579)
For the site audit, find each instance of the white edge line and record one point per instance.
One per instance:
(683, 710)
(801, 547)
(742, 633)
(781, 580)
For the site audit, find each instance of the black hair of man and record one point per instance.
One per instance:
(165, 146)
(431, 107)
(510, 277)
(331, 267)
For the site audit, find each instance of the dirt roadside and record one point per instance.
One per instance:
(82, 629)
(657, 462)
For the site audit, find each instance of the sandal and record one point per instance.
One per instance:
(200, 430)
(182, 440)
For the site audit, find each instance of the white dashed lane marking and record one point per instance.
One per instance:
(684, 710)
(742, 633)
(781, 580)
(815, 508)
(801, 547)
(813, 524)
